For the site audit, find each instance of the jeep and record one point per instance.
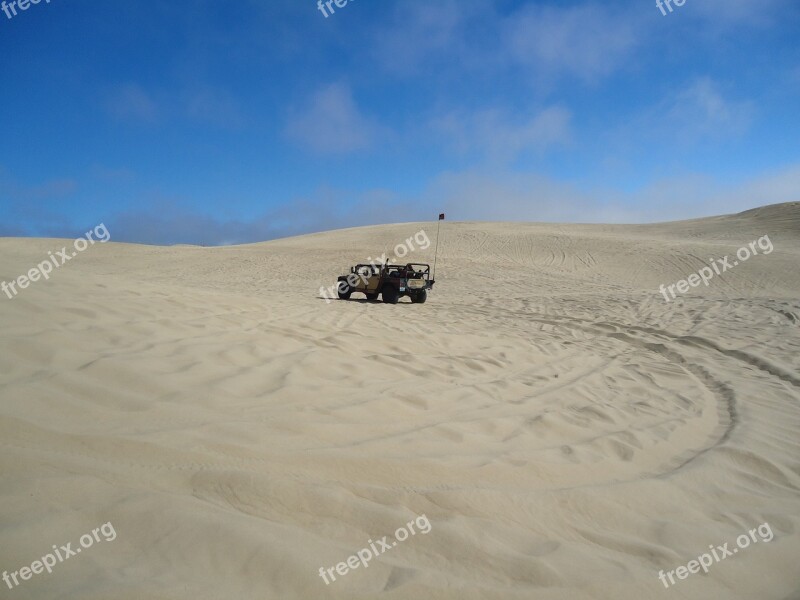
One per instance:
(391, 282)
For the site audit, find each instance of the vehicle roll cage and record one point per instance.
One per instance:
(424, 271)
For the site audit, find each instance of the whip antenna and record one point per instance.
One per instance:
(436, 252)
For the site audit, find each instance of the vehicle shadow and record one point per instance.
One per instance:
(363, 300)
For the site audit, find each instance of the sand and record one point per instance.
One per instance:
(567, 432)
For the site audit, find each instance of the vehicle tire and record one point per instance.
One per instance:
(373, 296)
(390, 294)
(344, 290)
(420, 297)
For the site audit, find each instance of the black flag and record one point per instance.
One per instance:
(441, 217)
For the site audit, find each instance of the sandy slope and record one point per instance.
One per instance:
(566, 431)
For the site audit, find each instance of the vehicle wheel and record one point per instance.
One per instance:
(390, 294)
(420, 297)
(373, 296)
(344, 291)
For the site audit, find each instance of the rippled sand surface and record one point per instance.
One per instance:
(566, 431)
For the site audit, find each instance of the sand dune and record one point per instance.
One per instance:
(567, 432)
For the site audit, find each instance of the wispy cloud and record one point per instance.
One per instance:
(111, 174)
(750, 13)
(331, 122)
(131, 102)
(500, 136)
(204, 104)
(39, 203)
(214, 106)
(588, 41)
(421, 33)
(165, 222)
(696, 112)
(503, 195)
(471, 195)
(701, 109)
(14, 191)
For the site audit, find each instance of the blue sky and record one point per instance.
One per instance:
(226, 122)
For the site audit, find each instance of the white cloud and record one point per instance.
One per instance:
(331, 122)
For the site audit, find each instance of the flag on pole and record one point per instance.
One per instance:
(441, 217)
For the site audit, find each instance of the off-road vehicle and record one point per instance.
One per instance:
(391, 282)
